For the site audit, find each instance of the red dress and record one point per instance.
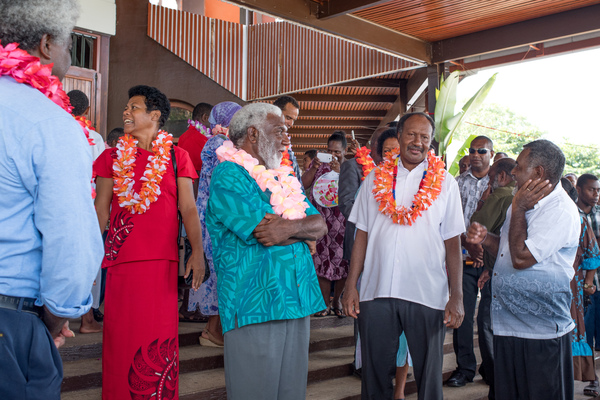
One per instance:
(140, 347)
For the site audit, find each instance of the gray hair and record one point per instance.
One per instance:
(255, 115)
(546, 154)
(26, 21)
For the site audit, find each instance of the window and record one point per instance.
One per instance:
(177, 123)
(83, 51)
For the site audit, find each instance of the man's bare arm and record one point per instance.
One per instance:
(274, 230)
(350, 301)
(454, 313)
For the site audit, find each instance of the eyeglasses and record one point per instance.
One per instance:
(482, 150)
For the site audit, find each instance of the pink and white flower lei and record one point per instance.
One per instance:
(287, 198)
(219, 130)
(123, 175)
(200, 128)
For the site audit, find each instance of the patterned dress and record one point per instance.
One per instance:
(140, 344)
(587, 258)
(329, 262)
(205, 298)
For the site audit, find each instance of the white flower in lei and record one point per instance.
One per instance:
(123, 175)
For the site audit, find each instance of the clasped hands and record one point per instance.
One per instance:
(276, 231)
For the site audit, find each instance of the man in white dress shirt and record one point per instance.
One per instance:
(531, 294)
(406, 270)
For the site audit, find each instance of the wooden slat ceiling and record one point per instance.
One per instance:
(434, 20)
(358, 106)
(427, 31)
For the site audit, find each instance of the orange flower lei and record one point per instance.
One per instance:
(285, 160)
(429, 189)
(363, 157)
(139, 203)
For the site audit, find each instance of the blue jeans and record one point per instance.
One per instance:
(592, 321)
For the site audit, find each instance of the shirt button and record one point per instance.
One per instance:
(501, 255)
(494, 296)
(495, 274)
(298, 285)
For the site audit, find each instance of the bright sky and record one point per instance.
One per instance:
(558, 94)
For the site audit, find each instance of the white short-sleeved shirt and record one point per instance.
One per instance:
(535, 302)
(408, 262)
(98, 146)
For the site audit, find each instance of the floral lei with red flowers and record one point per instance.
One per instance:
(363, 157)
(27, 69)
(429, 189)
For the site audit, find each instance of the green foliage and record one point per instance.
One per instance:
(581, 159)
(446, 122)
(511, 131)
(463, 151)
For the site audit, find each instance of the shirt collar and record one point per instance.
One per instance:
(423, 163)
(556, 192)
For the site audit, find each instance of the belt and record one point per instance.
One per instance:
(24, 304)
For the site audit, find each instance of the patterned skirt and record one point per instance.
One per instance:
(140, 344)
(329, 262)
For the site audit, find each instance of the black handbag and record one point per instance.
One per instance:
(183, 244)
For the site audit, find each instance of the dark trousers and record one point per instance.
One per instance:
(486, 337)
(30, 366)
(381, 322)
(592, 321)
(463, 336)
(532, 369)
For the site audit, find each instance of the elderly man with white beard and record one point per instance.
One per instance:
(263, 229)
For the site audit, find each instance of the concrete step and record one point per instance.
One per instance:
(89, 345)
(324, 365)
(82, 364)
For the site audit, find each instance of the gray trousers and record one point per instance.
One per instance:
(267, 361)
(381, 322)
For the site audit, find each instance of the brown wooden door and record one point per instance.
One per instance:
(88, 81)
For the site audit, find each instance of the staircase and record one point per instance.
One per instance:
(331, 354)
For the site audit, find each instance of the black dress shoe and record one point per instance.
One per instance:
(458, 379)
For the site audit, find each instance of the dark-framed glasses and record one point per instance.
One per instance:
(482, 150)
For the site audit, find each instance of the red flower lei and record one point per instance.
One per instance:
(27, 69)
(429, 189)
(363, 157)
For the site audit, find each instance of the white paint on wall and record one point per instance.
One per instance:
(98, 15)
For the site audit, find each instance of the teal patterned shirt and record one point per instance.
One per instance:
(255, 283)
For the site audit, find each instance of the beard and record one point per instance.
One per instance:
(269, 152)
(495, 185)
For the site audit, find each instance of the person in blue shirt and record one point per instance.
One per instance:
(50, 243)
(266, 280)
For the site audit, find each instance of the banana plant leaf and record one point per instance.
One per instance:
(445, 104)
(454, 167)
(452, 123)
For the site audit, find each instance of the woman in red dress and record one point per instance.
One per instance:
(136, 188)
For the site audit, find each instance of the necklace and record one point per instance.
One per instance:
(139, 203)
(287, 198)
(363, 157)
(429, 189)
(27, 69)
(200, 128)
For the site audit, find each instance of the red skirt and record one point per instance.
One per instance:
(140, 344)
